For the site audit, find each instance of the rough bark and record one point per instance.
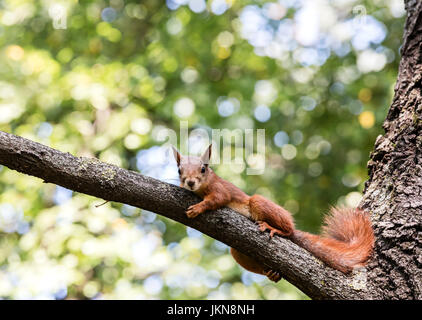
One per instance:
(102, 180)
(393, 193)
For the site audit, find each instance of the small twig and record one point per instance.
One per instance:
(99, 205)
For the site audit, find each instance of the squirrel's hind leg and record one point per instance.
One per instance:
(263, 226)
(254, 266)
(270, 216)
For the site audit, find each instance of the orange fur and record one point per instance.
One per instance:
(271, 216)
(346, 241)
(251, 265)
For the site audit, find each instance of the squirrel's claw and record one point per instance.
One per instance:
(263, 226)
(193, 211)
(273, 275)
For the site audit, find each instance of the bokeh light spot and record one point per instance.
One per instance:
(367, 119)
(15, 52)
(262, 113)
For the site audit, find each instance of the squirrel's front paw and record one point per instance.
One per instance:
(194, 210)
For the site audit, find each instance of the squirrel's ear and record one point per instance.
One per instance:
(177, 155)
(207, 155)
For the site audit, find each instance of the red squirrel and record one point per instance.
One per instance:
(346, 242)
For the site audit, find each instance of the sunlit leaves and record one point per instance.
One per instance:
(119, 74)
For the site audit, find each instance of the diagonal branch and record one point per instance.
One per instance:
(93, 177)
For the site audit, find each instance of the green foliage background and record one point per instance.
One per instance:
(106, 84)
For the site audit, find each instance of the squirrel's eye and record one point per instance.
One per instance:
(179, 171)
(203, 170)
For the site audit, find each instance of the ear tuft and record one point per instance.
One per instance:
(205, 158)
(177, 155)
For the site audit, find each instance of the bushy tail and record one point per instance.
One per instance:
(346, 241)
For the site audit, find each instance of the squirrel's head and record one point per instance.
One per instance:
(193, 171)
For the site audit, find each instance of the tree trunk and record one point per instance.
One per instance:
(393, 195)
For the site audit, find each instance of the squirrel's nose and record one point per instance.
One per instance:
(191, 183)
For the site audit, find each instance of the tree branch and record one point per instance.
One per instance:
(93, 177)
